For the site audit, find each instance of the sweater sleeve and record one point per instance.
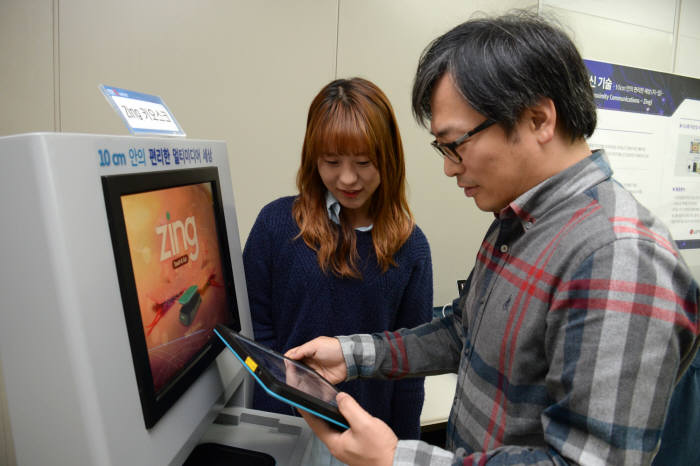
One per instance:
(257, 262)
(415, 309)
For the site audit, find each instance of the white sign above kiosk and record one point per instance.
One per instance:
(142, 113)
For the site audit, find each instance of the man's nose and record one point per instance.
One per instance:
(451, 168)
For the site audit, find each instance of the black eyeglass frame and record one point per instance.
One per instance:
(449, 149)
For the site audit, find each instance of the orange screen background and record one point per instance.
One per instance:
(160, 284)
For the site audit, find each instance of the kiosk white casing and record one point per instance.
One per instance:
(66, 359)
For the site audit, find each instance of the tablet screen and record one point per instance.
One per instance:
(290, 372)
(285, 379)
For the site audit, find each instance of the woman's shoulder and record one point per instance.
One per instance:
(277, 209)
(417, 234)
(278, 206)
(276, 216)
(417, 244)
(418, 237)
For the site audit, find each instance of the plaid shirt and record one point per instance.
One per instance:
(577, 320)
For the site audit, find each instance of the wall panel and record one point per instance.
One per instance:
(687, 62)
(382, 41)
(240, 71)
(615, 41)
(26, 60)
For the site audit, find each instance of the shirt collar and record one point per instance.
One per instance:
(538, 200)
(333, 208)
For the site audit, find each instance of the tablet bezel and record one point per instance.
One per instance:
(277, 388)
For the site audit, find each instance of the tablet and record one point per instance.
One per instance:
(285, 379)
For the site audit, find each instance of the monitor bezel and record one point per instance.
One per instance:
(155, 405)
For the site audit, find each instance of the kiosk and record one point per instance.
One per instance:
(119, 256)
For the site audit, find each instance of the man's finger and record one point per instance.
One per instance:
(307, 350)
(295, 353)
(352, 411)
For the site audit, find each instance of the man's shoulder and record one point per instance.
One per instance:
(624, 216)
(607, 213)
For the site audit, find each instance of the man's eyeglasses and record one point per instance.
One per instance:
(449, 149)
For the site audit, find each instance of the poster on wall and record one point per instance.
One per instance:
(649, 126)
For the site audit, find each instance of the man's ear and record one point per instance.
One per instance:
(542, 119)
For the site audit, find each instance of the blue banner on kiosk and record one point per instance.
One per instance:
(142, 113)
(649, 126)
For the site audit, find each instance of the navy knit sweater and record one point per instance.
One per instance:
(292, 301)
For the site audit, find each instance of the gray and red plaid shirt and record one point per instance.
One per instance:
(577, 320)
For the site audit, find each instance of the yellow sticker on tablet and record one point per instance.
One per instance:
(250, 363)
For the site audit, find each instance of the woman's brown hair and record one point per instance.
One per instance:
(352, 116)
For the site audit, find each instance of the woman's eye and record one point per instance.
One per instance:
(331, 162)
(363, 163)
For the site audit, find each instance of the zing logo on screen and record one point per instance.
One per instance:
(177, 238)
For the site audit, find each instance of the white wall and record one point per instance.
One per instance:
(688, 30)
(245, 71)
(382, 41)
(660, 35)
(26, 60)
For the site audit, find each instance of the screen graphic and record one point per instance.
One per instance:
(174, 251)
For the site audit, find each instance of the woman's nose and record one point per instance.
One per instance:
(348, 175)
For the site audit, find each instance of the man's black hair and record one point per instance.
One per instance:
(503, 65)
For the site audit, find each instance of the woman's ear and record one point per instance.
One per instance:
(542, 119)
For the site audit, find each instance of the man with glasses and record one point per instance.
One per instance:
(579, 315)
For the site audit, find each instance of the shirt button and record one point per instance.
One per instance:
(504, 248)
(528, 225)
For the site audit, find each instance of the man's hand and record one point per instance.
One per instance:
(323, 354)
(368, 442)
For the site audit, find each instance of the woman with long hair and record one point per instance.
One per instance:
(343, 256)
